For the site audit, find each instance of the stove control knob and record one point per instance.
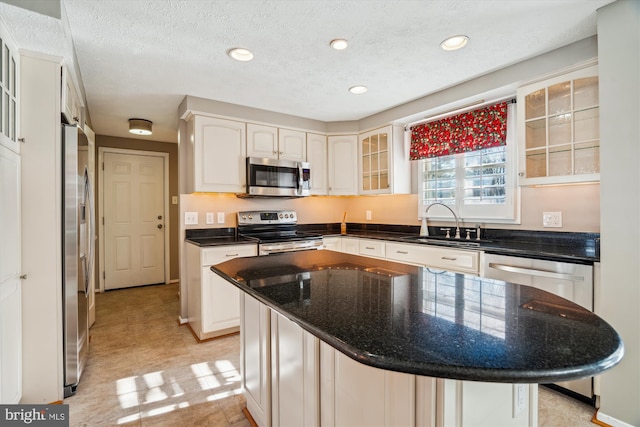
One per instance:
(250, 216)
(280, 216)
(244, 217)
(292, 215)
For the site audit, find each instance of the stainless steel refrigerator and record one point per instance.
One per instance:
(78, 231)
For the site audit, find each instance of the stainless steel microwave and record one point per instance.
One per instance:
(273, 177)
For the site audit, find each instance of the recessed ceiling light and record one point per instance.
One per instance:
(339, 44)
(240, 54)
(454, 43)
(358, 89)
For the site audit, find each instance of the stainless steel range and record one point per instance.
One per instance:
(276, 232)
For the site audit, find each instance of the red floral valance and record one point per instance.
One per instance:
(471, 131)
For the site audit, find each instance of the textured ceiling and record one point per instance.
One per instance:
(140, 58)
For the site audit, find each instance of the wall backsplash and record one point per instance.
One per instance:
(579, 204)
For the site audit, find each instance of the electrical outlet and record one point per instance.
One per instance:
(220, 217)
(368, 215)
(552, 219)
(191, 218)
(519, 398)
(209, 219)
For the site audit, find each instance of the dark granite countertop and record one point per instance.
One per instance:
(442, 324)
(582, 248)
(216, 237)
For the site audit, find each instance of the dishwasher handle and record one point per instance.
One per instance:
(535, 272)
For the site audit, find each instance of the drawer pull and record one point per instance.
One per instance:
(402, 252)
(369, 248)
(448, 258)
(231, 255)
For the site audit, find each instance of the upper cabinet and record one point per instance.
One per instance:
(342, 165)
(9, 84)
(383, 165)
(559, 129)
(216, 155)
(317, 157)
(71, 105)
(273, 143)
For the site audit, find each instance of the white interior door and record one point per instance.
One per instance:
(134, 223)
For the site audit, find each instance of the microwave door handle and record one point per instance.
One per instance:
(300, 177)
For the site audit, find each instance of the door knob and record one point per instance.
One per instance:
(159, 225)
(159, 216)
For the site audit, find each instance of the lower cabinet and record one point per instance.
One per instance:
(213, 303)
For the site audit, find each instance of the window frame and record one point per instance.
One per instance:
(507, 213)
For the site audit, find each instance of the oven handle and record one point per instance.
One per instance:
(535, 272)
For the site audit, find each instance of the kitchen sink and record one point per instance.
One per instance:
(443, 241)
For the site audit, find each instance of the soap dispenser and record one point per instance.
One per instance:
(424, 231)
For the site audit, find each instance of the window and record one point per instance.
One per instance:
(478, 185)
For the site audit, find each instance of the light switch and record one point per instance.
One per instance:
(191, 218)
(220, 217)
(174, 200)
(552, 219)
(368, 215)
(209, 218)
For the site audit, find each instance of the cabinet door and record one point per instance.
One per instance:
(255, 358)
(262, 141)
(219, 155)
(343, 165)
(10, 282)
(70, 99)
(317, 157)
(221, 304)
(292, 145)
(9, 94)
(375, 161)
(350, 245)
(372, 248)
(559, 129)
(294, 374)
(332, 243)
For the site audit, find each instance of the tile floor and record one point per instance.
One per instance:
(145, 370)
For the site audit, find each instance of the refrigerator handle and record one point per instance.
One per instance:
(92, 231)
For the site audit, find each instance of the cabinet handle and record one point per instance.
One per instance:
(231, 255)
(23, 276)
(448, 258)
(402, 252)
(369, 248)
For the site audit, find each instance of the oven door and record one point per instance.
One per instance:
(271, 177)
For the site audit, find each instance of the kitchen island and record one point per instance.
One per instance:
(336, 339)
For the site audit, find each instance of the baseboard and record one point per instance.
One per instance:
(182, 320)
(609, 421)
(174, 280)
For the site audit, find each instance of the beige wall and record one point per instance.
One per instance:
(579, 205)
(158, 147)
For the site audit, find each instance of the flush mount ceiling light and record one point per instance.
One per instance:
(454, 43)
(240, 54)
(140, 126)
(339, 44)
(358, 89)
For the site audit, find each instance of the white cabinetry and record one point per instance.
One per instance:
(459, 260)
(350, 245)
(273, 143)
(372, 248)
(317, 157)
(216, 155)
(294, 374)
(213, 303)
(332, 243)
(382, 161)
(10, 281)
(559, 129)
(343, 165)
(255, 358)
(354, 394)
(71, 105)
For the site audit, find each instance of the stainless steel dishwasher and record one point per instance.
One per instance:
(570, 281)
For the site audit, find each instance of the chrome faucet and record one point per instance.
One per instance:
(457, 236)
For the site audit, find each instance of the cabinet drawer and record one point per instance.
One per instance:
(409, 254)
(373, 248)
(218, 254)
(453, 260)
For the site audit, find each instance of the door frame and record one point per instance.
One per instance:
(167, 249)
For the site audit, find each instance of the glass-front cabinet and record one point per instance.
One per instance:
(374, 161)
(559, 129)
